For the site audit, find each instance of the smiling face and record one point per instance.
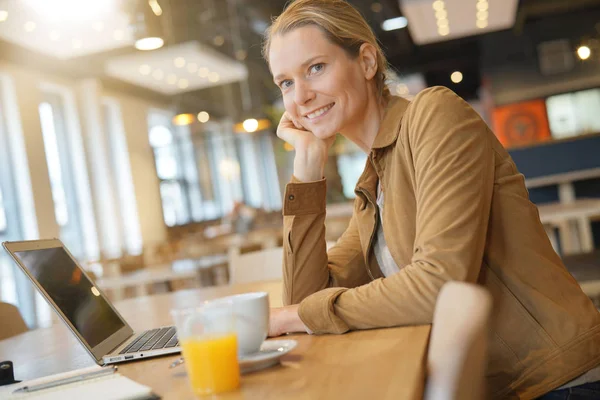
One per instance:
(323, 88)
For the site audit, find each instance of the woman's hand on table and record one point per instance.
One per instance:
(285, 320)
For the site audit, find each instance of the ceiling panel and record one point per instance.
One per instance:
(461, 16)
(176, 69)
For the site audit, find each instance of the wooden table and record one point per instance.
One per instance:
(374, 364)
(164, 273)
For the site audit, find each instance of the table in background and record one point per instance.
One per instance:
(575, 232)
(379, 363)
(163, 273)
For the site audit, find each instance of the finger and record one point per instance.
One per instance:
(297, 124)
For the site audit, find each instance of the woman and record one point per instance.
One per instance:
(439, 200)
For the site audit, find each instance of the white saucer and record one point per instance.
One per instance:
(269, 354)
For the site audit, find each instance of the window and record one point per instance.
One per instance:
(121, 176)
(573, 114)
(16, 208)
(60, 169)
(2, 214)
(350, 167)
(205, 170)
(171, 154)
(9, 230)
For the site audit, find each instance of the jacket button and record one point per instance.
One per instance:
(291, 197)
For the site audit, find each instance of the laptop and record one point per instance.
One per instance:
(84, 308)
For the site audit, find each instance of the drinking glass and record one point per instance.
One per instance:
(209, 346)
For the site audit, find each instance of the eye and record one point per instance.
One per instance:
(317, 68)
(285, 84)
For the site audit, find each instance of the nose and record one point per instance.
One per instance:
(303, 94)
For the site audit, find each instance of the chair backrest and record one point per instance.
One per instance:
(256, 266)
(457, 356)
(262, 265)
(11, 321)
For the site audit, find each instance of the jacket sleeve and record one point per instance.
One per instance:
(453, 164)
(307, 267)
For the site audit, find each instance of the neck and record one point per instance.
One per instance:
(363, 129)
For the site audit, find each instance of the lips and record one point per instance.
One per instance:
(318, 112)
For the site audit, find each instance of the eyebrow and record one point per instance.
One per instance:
(304, 64)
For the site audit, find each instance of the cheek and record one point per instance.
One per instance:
(288, 104)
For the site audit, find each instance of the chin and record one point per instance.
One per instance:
(324, 134)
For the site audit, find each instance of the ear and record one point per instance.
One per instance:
(368, 60)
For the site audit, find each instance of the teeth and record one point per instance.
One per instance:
(319, 112)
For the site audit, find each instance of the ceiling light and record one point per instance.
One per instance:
(438, 5)
(250, 125)
(171, 79)
(179, 62)
(54, 35)
(203, 116)
(76, 43)
(192, 67)
(29, 26)
(74, 11)
(203, 72)
(183, 83)
(376, 7)
(441, 14)
(402, 89)
(3, 15)
(98, 26)
(456, 77)
(218, 40)
(394, 23)
(482, 23)
(442, 23)
(443, 30)
(213, 77)
(253, 124)
(241, 54)
(482, 6)
(183, 119)
(118, 34)
(158, 74)
(145, 69)
(156, 9)
(147, 29)
(584, 52)
(481, 15)
(287, 146)
(149, 43)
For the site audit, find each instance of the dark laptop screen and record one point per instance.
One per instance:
(72, 292)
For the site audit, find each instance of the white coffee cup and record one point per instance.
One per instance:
(251, 311)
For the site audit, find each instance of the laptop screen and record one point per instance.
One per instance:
(75, 295)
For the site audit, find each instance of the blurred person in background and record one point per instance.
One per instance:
(439, 200)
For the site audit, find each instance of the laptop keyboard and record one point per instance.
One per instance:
(153, 339)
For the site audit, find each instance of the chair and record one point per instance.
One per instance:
(457, 356)
(255, 266)
(262, 265)
(12, 321)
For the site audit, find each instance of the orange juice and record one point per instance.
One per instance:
(212, 363)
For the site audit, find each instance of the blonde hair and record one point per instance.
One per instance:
(342, 25)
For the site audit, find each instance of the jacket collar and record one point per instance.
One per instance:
(387, 135)
(390, 126)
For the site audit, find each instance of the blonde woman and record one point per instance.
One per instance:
(439, 200)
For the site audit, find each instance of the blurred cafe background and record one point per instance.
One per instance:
(142, 132)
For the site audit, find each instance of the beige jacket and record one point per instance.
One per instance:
(456, 208)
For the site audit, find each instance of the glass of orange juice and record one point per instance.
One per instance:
(209, 346)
